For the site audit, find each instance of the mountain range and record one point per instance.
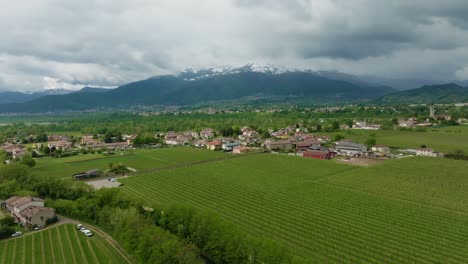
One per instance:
(248, 83)
(19, 97)
(442, 94)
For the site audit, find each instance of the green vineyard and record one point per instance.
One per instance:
(315, 209)
(61, 244)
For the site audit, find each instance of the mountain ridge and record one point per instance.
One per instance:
(439, 93)
(230, 83)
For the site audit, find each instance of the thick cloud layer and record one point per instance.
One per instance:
(52, 43)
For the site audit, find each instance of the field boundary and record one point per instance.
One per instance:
(190, 164)
(87, 160)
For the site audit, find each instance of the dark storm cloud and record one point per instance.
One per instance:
(46, 43)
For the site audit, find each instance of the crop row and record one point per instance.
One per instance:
(319, 221)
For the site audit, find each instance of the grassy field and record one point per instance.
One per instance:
(440, 139)
(406, 211)
(138, 159)
(61, 244)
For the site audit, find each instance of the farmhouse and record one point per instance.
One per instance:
(29, 211)
(380, 148)
(36, 215)
(318, 154)
(86, 175)
(214, 145)
(346, 148)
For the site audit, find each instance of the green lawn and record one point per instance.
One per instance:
(329, 212)
(440, 139)
(138, 159)
(61, 244)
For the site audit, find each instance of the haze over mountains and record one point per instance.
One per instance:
(248, 83)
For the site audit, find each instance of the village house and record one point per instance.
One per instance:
(16, 151)
(410, 122)
(177, 139)
(214, 145)
(443, 117)
(380, 148)
(88, 140)
(207, 133)
(29, 211)
(191, 134)
(306, 144)
(346, 148)
(363, 125)
(65, 145)
(241, 150)
(228, 146)
(278, 145)
(129, 138)
(111, 146)
(318, 154)
(57, 138)
(426, 152)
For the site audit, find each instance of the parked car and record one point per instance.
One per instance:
(79, 226)
(17, 234)
(83, 229)
(39, 227)
(88, 233)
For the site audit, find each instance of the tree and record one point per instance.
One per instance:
(28, 160)
(46, 150)
(120, 168)
(7, 220)
(459, 152)
(335, 125)
(265, 134)
(370, 142)
(338, 137)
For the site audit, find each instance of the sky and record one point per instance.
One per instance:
(68, 44)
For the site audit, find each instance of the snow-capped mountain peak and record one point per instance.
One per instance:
(196, 74)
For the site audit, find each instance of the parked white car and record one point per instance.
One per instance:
(17, 234)
(39, 227)
(88, 233)
(79, 226)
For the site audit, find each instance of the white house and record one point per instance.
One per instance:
(427, 152)
(380, 148)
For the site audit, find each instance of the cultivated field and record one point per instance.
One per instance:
(330, 212)
(139, 159)
(61, 244)
(440, 139)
